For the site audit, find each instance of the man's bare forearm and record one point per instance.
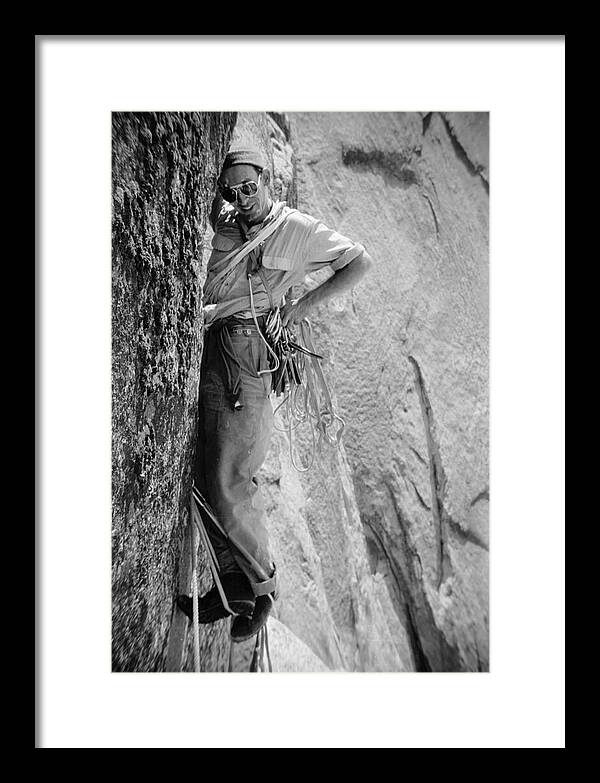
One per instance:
(344, 279)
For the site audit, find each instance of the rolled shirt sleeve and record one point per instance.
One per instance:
(328, 248)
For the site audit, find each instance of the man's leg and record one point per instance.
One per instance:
(232, 446)
(207, 419)
(236, 444)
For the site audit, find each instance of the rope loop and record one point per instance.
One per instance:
(297, 374)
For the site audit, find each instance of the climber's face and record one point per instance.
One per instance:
(246, 188)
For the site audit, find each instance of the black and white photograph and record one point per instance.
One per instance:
(300, 391)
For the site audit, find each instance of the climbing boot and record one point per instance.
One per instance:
(243, 628)
(210, 606)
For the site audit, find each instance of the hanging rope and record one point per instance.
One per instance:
(195, 624)
(261, 646)
(307, 399)
(259, 330)
(199, 529)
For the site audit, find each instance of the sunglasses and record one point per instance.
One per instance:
(230, 194)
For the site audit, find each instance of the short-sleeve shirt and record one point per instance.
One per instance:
(301, 245)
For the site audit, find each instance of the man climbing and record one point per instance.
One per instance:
(260, 250)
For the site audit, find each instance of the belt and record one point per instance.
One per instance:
(242, 329)
(237, 325)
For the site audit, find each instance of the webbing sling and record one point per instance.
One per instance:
(265, 587)
(231, 261)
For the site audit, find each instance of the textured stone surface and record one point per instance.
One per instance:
(286, 650)
(409, 350)
(383, 547)
(163, 168)
(289, 653)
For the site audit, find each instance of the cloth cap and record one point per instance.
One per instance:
(250, 156)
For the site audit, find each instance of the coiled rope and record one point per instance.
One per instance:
(307, 400)
(296, 367)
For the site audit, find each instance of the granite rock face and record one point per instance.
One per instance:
(163, 169)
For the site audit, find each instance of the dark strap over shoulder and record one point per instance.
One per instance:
(229, 262)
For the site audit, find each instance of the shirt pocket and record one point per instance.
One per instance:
(223, 243)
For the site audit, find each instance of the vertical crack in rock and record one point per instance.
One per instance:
(475, 170)
(429, 647)
(433, 212)
(421, 662)
(426, 119)
(353, 611)
(402, 599)
(439, 654)
(419, 496)
(437, 478)
(281, 121)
